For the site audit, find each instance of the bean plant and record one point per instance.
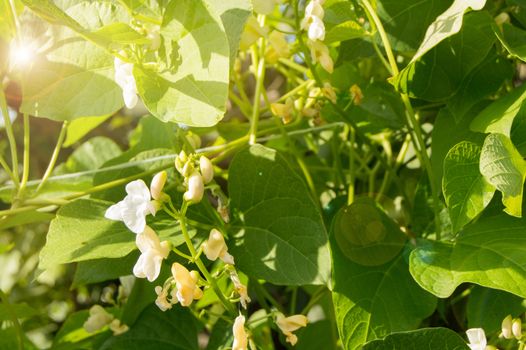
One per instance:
(262, 174)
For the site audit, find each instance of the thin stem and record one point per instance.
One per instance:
(54, 156)
(10, 137)
(182, 221)
(6, 168)
(25, 172)
(260, 78)
(411, 120)
(14, 319)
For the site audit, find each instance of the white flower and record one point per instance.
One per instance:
(196, 188)
(506, 327)
(320, 53)
(290, 324)
(207, 169)
(157, 185)
(186, 289)
(215, 247)
(98, 319)
(152, 254)
(516, 328)
(240, 335)
(132, 210)
(316, 29)
(117, 327)
(125, 79)
(161, 301)
(477, 338)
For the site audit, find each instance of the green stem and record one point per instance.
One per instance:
(260, 78)
(25, 172)
(10, 137)
(14, 319)
(182, 221)
(54, 157)
(6, 168)
(411, 120)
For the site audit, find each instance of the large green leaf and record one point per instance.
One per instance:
(513, 39)
(369, 302)
(175, 329)
(366, 235)
(498, 117)
(341, 23)
(487, 308)
(92, 154)
(280, 236)
(484, 80)
(80, 127)
(466, 191)
(74, 78)
(406, 21)
(447, 24)
(80, 232)
(439, 73)
(490, 252)
(503, 167)
(426, 338)
(99, 270)
(193, 87)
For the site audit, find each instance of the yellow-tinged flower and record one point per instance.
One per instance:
(161, 301)
(253, 31)
(240, 335)
(152, 254)
(264, 7)
(320, 53)
(278, 47)
(516, 328)
(284, 110)
(240, 288)
(328, 91)
(157, 185)
(186, 289)
(98, 319)
(506, 327)
(117, 327)
(215, 247)
(287, 325)
(356, 94)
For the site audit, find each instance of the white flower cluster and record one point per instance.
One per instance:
(125, 79)
(182, 287)
(195, 179)
(313, 20)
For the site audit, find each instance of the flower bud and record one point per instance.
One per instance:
(117, 327)
(516, 328)
(186, 289)
(278, 48)
(240, 288)
(162, 301)
(506, 327)
(157, 185)
(98, 319)
(196, 188)
(328, 91)
(240, 335)
(356, 94)
(207, 169)
(283, 110)
(180, 161)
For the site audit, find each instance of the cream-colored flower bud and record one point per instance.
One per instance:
(162, 301)
(188, 168)
(186, 289)
(240, 335)
(180, 161)
(506, 327)
(287, 325)
(239, 287)
(215, 247)
(283, 110)
(157, 185)
(207, 169)
(117, 327)
(98, 319)
(196, 188)
(516, 328)
(278, 47)
(194, 140)
(320, 53)
(356, 94)
(253, 31)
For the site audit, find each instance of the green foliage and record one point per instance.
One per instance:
(431, 338)
(280, 235)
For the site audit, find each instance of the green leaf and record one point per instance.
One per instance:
(369, 302)
(73, 336)
(465, 190)
(175, 329)
(193, 89)
(426, 338)
(341, 23)
(21, 310)
(513, 39)
(503, 167)
(92, 154)
(366, 235)
(233, 14)
(518, 132)
(80, 232)
(439, 73)
(484, 80)
(280, 236)
(25, 218)
(490, 252)
(80, 127)
(446, 25)
(406, 21)
(121, 33)
(487, 308)
(99, 270)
